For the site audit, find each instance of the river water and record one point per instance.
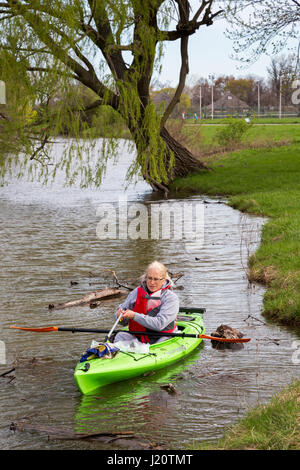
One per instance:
(48, 239)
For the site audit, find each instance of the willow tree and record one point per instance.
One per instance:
(110, 47)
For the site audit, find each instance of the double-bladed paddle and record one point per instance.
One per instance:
(152, 333)
(113, 327)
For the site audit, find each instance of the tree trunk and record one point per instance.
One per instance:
(90, 297)
(185, 162)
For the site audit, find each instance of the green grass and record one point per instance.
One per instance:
(265, 182)
(257, 136)
(275, 426)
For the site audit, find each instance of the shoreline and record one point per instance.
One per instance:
(264, 182)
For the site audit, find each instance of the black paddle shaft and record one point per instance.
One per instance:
(189, 310)
(146, 333)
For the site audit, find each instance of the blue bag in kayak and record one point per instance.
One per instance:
(103, 350)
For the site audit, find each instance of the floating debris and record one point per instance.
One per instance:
(170, 388)
(225, 331)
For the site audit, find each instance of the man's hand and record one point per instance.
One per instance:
(128, 314)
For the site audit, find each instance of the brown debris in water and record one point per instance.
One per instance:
(170, 388)
(59, 433)
(225, 331)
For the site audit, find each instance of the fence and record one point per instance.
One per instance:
(262, 115)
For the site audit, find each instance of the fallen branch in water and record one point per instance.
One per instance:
(7, 372)
(117, 280)
(65, 434)
(5, 375)
(100, 436)
(272, 340)
(90, 297)
(133, 283)
(176, 276)
(255, 318)
(60, 433)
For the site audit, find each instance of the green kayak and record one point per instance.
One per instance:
(126, 365)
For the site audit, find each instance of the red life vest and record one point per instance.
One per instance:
(144, 304)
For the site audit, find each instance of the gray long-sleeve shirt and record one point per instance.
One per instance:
(168, 310)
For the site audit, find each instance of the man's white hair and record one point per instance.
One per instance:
(162, 269)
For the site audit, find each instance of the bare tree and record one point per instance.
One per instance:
(262, 26)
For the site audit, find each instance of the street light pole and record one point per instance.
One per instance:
(280, 97)
(212, 78)
(200, 97)
(212, 100)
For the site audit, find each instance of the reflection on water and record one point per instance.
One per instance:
(136, 403)
(48, 238)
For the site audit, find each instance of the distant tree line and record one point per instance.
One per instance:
(258, 93)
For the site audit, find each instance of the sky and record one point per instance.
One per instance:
(209, 53)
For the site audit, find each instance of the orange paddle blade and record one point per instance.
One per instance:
(37, 330)
(226, 340)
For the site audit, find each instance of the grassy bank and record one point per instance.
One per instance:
(274, 426)
(203, 139)
(264, 182)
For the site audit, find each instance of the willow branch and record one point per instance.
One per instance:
(105, 38)
(184, 70)
(184, 8)
(86, 77)
(41, 147)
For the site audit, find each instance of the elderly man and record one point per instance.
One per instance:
(151, 307)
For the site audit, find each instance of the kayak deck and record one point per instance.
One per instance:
(126, 365)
